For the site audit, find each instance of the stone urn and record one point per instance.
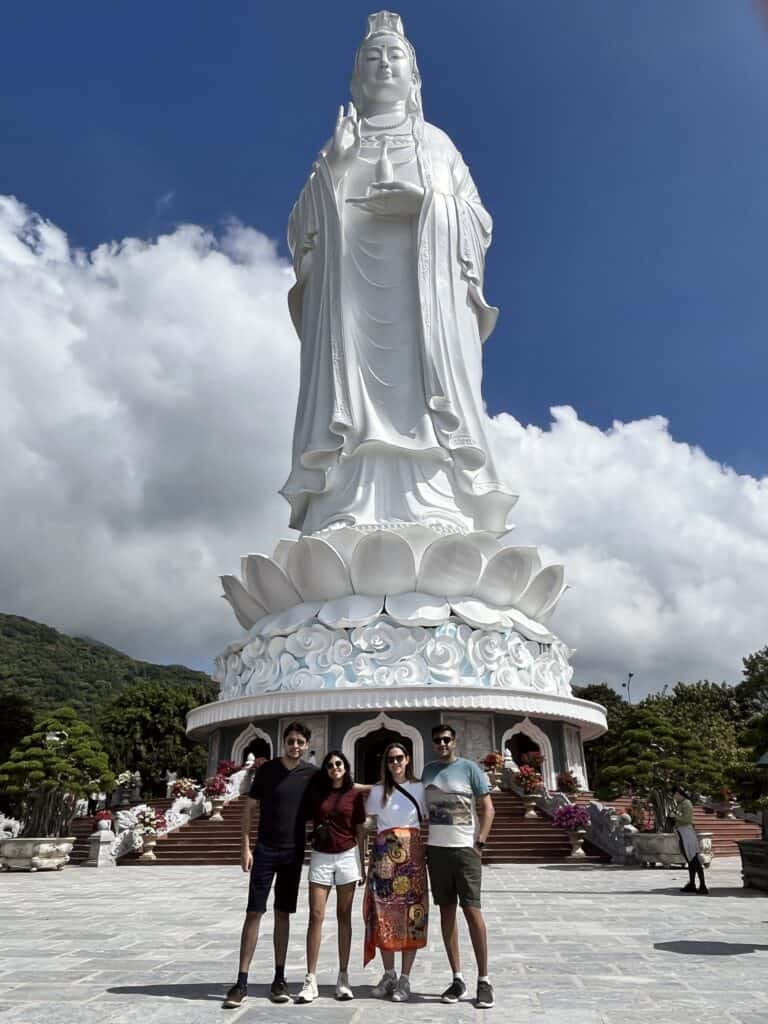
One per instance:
(663, 848)
(35, 853)
(529, 803)
(576, 837)
(217, 803)
(149, 842)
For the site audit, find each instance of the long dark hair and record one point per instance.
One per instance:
(386, 775)
(321, 786)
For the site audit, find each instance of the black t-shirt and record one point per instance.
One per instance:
(281, 795)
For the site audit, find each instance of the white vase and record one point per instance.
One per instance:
(576, 837)
(217, 803)
(149, 842)
(529, 801)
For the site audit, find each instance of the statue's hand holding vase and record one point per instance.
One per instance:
(391, 199)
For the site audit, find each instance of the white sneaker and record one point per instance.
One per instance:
(309, 992)
(402, 991)
(343, 991)
(386, 986)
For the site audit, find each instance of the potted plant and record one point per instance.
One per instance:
(530, 780)
(149, 822)
(575, 819)
(215, 790)
(183, 787)
(49, 771)
(492, 765)
(567, 783)
(226, 768)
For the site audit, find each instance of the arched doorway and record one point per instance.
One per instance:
(251, 740)
(369, 750)
(520, 744)
(401, 731)
(257, 747)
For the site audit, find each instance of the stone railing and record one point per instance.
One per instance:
(611, 832)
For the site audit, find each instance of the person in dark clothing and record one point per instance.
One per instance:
(689, 842)
(280, 787)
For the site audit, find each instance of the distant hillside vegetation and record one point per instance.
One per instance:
(51, 668)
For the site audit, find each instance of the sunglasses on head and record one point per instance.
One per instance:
(335, 764)
(443, 739)
(396, 759)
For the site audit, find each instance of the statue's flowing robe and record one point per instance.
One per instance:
(441, 462)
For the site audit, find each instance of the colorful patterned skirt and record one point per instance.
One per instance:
(395, 904)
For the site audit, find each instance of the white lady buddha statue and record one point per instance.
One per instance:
(388, 239)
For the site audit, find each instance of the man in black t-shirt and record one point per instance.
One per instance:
(279, 786)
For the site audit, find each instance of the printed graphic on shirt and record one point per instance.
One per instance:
(451, 791)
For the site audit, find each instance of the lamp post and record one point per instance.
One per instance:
(627, 686)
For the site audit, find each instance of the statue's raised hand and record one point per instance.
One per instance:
(346, 137)
(391, 199)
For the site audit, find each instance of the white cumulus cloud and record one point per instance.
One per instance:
(147, 393)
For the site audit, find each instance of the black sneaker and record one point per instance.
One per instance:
(454, 992)
(703, 891)
(485, 997)
(235, 997)
(689, 888)
(279, 993)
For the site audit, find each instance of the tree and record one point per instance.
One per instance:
(616, 708)
(651, 755)
(752, 691)
(17, 717)
(58, 762)
(144, 729)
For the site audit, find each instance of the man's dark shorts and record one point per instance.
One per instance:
(270, 864)
(455, 873)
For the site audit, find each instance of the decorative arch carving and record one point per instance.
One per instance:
(532, 731)
(251, 732)
(382, 721)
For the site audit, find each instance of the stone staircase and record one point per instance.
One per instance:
(82, 828)
(513, 838)
(726, 832)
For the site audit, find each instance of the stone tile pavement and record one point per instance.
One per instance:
(570, 944)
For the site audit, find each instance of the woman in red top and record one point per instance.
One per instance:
(337, 810)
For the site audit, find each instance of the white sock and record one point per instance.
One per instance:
(458, 976)
(483, 977)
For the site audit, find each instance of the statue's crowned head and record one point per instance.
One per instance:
(385, 68)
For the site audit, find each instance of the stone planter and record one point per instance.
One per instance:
(754, 863)
(217, 803)
(663, 848)
(725, 810)
(149, 842)
(576, 838)
(35, 853)
(529, 802)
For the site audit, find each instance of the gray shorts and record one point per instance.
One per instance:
(455, 875)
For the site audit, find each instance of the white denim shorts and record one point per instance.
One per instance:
(335, 868)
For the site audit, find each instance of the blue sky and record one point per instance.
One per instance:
(621, 147)
(147, 394)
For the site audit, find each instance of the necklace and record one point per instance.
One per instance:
(374, 128)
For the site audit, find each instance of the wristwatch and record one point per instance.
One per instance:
(480, 843)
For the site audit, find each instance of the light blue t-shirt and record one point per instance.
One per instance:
(451, 790)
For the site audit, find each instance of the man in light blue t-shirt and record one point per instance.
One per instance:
(460, 818)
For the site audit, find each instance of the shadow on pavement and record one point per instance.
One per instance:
(708, 948)
(215, 993)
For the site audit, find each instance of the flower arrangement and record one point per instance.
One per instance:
(226, 768)
(528, 778)
(567, 782)
(493, 761)
(216, 786)
(184, 787)
(149, 821)
(534, 759)
(103, 816)
(571, 816)
(127, 780)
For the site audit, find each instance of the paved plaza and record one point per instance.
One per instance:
(573, 944)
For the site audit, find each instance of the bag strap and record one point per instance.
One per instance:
(413, 799)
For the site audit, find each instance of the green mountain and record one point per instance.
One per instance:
(51, 668)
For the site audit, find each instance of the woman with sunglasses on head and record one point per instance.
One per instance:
(337, 810)
(395, 907)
